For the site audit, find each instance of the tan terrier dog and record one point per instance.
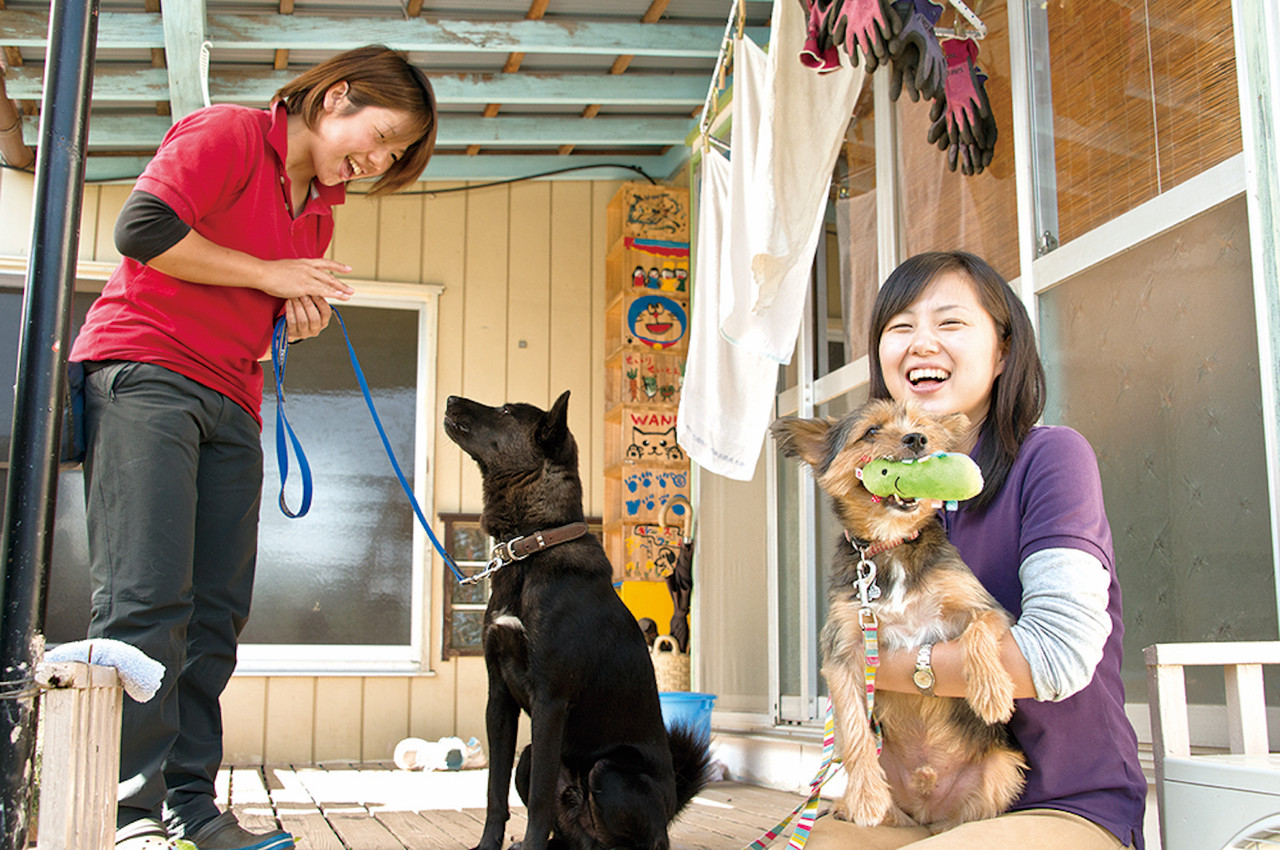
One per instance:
(944, 761)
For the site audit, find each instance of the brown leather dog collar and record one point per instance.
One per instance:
(519, 548)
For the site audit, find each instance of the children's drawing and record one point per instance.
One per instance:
(649, 491)
(651, 552)
(657, 321)
(654, 445)
(658, 215)
(652, 378)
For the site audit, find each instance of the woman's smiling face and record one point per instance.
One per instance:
(351, 143)
(944, 350)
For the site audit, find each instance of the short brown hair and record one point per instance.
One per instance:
(376, 76)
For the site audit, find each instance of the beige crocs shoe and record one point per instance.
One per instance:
(143, 834)
(225, 833)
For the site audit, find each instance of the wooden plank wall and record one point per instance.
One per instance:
(521, 319)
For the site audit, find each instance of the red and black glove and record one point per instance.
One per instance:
(819, 51)
(963, 124)
(864, 27)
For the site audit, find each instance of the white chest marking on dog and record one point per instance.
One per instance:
(893, 602)
(898, 630)
(509, 621)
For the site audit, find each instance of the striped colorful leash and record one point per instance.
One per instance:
(808, 810)
(868, 591)
(871, 649)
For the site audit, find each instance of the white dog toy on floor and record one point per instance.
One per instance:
(446, 754)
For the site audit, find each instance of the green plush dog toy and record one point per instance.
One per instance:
(943, 476)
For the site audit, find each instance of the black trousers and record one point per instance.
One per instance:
(173, 483)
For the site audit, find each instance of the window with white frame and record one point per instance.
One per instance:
(343, 587)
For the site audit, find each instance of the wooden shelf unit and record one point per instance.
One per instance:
(646, 343)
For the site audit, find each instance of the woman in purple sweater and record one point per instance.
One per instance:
(949, 333)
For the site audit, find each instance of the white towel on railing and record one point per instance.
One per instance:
(139, 673)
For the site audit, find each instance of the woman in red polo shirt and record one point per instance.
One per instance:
(224, 232)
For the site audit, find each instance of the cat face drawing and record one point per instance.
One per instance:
(654, 444)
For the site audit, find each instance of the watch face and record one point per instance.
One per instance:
(923, 679)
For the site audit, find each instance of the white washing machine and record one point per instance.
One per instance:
(1215, 802)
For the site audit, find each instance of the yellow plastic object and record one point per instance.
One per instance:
(649, 599)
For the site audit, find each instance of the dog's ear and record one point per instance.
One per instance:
(553, 430)
(803, 438)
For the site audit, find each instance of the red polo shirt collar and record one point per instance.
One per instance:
(278, 139)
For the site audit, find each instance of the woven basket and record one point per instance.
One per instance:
(670, 665)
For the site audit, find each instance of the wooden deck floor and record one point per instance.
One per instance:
(377, 807)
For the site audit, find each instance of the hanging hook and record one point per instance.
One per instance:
(976, 29)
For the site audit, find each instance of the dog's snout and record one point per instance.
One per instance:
(915, 441)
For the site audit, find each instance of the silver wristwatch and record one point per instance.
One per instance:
(923, 675)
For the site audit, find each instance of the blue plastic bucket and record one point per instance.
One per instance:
(686, 708)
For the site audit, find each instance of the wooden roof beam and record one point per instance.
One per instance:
(227, 85)
(537, 9)
(281, 59)
(140, 30)
(620, 65)
(185, 29)
(142, 132)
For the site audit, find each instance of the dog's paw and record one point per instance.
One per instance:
(868, 806)
(490, 842)
(991, 698)
(896, 817)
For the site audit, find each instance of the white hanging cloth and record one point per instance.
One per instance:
(759, 220)
(727, 398)
(788, 129)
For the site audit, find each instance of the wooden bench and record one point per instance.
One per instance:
(1208, 801)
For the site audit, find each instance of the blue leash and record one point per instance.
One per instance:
(279, 354)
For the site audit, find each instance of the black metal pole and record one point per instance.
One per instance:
(26, 545)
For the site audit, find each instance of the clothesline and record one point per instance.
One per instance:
(737, 13)
(975, 30)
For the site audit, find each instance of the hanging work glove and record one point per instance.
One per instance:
(916, 57)
(864, 26)
(963, 124)
(819, 51)
(985, 149)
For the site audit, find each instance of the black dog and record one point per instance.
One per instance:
(601, 770)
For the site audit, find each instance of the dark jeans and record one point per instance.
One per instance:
(173, 480)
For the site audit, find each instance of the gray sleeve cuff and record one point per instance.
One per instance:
(1064, 624)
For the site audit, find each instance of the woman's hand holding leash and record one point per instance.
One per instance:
(306, 317)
